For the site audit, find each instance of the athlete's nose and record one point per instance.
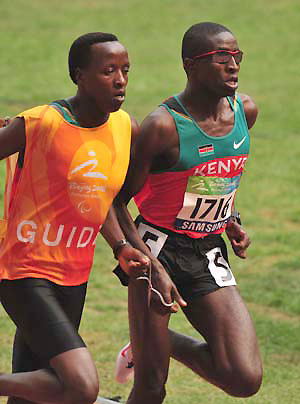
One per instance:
(120, 79)
(232, 64)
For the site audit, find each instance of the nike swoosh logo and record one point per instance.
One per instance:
(239, 144)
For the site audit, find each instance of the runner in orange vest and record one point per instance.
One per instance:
(73, 156)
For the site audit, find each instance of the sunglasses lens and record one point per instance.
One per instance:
(238, 57)
(221, 57)
(225, 57)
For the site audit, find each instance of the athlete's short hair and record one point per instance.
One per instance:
(196, 38)
(80, 54)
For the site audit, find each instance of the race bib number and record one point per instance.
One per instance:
(207, 204)
(154, 238)
(219, 268)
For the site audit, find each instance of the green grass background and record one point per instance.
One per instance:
(35, 39)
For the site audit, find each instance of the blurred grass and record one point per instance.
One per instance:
(35, 39)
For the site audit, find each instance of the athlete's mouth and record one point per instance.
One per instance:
(232, 81)
(120, 96)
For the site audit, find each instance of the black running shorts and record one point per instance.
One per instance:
(196, 266)
(47, 317)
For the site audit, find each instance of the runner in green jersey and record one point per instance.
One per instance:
(182, 221)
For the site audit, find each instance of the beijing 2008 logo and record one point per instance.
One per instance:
(87, 179)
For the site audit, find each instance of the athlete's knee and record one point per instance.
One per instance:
(83, 389)
(245, 385)
(252, 383)
(78, 376)
(242, 382)
(85, 392)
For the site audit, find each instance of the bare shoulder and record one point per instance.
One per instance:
(158, 125)
(149, 142)
(250, 108)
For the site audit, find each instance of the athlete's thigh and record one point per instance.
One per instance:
(24, 359)
(222, 318)
(148, 334)
(72, 299)
(34, 307)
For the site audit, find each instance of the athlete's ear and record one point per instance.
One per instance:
(187, 65)
(78, 75)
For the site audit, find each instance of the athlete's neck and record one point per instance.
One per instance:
(202, 104)
(86, 112)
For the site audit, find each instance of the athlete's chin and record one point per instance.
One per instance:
(230, 89)
(112, 105)
(116, 107)
(117, 103)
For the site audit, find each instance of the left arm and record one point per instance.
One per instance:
(238, 237)
(250, 108)
(130, 258)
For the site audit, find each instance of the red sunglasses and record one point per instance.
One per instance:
(222, 56)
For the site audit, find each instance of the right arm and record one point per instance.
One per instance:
(12, 138)
(153, 144)
(237, 236)
(146, 145)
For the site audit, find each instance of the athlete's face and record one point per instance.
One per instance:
(105, 79)
(219, 78)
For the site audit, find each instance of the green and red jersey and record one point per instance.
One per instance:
(196, 195)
